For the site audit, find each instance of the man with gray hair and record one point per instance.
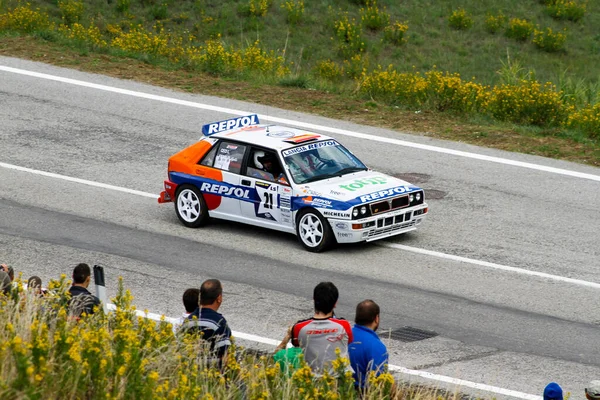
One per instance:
(592, 391)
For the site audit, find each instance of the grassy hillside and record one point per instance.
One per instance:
(336, 46)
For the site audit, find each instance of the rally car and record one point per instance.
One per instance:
(289, 180)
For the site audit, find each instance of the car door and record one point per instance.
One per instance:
(271, 202)
(221, 184)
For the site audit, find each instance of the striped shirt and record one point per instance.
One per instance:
(212, 326)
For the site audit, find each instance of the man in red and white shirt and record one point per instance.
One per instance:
(321, 335)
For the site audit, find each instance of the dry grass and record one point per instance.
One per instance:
(438, 125)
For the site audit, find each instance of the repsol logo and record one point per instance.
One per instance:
(225, 190)
(360, 183)
(228, 124)
(384, 193)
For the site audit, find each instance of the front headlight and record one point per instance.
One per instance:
(355, 212)
(418, 196)
(363, 210)
(411, 198)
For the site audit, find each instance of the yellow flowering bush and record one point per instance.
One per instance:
(294, 10)
(374, 18)
(528, 102)
(139, 40)
(449, 92)
(566, 9)
(329, 70)
(356, 66)
(460, 19)
(548, 40)
(587, 120)
(394, 33)
(258, 60)
(77, 32)
(393, 87)
(349, 35)
(71, 10)
(259, 8)
(519, 29)
(494, 23)
(24, 19)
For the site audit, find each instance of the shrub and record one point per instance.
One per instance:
(259, 8)
(349, 36)
(460, 20)
(257, 60)
(140, 41)
(24, 19)
(372, 17)
(90, 36)
(294, 10)
(449, 92)
(394, 33)
(123, 5)
(566, 9)
(355, 66)
(527, 103)
(393, 87)
(519, 29)
(494, 23)
(71, 10)
(159, 11)
(586, 120)
(329, 70)
(549, 40)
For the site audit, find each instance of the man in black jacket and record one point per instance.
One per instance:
(82, 301)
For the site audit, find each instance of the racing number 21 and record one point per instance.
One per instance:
(269, 200)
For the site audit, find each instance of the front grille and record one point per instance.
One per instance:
(389, 205)
(385, 229)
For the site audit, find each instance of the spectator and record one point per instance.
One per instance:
(35, 283)
(9, 270)
(321, 335)
(5, 284)
(553, 392)
(205, 320)
(82, 301)
(367, 351)
(191, 302)
(592, 391)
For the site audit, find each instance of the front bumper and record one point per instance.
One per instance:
(168, 195)
(378, 226)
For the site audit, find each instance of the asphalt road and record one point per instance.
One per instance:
(498, 327)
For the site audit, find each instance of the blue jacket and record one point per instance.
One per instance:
(367, 353)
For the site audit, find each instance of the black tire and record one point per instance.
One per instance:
(190, 206)
(313, 231)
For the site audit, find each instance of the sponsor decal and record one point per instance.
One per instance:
(382, 194)
(262, 184)
(344, 235)
(341, 225)
(337, 214)
(283, 135)
(312, 192)
(222, 190)
(216, 127)
(336, 193)
(321, 331)
(317, 202)
(285, 202)
(285, 189)
(307, 147)
(360, 183)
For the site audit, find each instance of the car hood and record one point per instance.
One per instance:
(357, 188)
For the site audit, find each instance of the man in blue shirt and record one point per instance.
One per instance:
(367, 351)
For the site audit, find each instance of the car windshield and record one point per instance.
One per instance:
(321, 160)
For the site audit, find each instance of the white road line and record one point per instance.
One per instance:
(78, 180)
(306, 125)
(392, 368)
(491, 265)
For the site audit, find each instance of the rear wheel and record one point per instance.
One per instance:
(313, 231)
(190, 206)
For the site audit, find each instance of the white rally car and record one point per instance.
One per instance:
(290, 180)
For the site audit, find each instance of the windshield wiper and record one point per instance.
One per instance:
(349, 170)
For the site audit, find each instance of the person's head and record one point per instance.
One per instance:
(35, 283)
(553, 392)
(211, 293)
(82, 275)
(367, 314)
(592, 390)
(10, 271)
(264, 160)
(191, 299)
(325, 297)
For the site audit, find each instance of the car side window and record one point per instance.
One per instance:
(229, 157)
(209, 158)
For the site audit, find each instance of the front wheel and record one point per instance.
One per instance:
(190, 206)
(313, 231)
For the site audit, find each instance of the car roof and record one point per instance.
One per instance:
(271, 136)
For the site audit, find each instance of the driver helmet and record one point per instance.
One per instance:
(260, 157)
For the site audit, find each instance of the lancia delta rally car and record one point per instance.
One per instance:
(289, 180)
